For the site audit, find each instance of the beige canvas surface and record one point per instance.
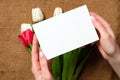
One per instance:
(15, 61)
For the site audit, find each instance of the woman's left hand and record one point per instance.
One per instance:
(39, 63)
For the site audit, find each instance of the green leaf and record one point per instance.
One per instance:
(73, 63)
(57, 64)
(83, 57)
(66, 65)
(78, 70)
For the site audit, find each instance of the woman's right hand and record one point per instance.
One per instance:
(107, 44)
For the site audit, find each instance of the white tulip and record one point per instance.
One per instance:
(37, 15)
(57, 11)
(25, 26)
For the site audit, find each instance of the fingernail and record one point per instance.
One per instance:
(42, 58)
(41, 53)
(92, 17)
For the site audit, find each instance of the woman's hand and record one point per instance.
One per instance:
(107, 44)
(39, 63)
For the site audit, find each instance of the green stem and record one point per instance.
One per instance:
(32, 27)
(29, 50)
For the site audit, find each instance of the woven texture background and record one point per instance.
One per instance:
(15, 61)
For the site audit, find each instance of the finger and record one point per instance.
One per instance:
(104, 23)
(44, 64)
(35, 55)
(102, 52)
(35, 45)
(100, 28)
(101, 20)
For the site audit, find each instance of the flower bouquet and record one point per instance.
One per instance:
(64, 67)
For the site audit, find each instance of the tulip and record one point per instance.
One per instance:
(25, 26)
(37, 15)
(23, 40)
(26, 37)
(57, 11)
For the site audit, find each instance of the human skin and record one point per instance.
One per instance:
(39, 63)
(107, 46)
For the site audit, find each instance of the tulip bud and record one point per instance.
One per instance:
(23, 40)
(37, 15)
(25, 26)
(28, 34)
(57, 11)
(26, 37)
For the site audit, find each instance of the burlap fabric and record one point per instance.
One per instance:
(15, 61)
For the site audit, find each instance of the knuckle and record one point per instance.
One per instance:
(43, 64)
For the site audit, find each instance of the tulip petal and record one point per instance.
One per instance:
(57, 11)
(25, 26)
(23, 41)
(37, 15)
(29, 35)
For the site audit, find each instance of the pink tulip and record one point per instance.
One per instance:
(26, 37)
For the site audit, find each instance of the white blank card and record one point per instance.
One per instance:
(65, 32)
